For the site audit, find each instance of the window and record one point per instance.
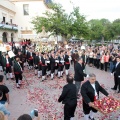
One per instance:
(11, 21)
(25, 9)
(4, 19)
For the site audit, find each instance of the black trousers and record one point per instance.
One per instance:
(39, 67)
(67, 66)
(30, 62)
(18, 77)
(60, 68)
(90, 60)
(106, 65)
(116, 82)
(8, 69)
(102, 66)
(95, 62)
(69, 111)
(87, 108)
(48, 67)
(98, 63)
(44, 70)
(52, 68)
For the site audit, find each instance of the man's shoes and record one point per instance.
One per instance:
(91, 118)
(118, 91)
(113, 89)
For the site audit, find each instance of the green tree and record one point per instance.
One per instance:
(79, 26)
(96, 28)
(61, 23)
(116, 27)
(101, 29)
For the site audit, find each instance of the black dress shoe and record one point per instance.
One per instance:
(113, 89)
(91, 118)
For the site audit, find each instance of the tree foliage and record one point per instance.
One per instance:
(104, 29)
(61, 23)
(58, 22)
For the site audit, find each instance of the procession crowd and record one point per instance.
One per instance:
(57, 62)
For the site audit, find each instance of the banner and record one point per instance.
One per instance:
(11, 54)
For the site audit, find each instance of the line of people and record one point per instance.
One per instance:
(44, 63)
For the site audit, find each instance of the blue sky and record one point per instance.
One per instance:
(96, 9)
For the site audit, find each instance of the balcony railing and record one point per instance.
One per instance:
(13, 27)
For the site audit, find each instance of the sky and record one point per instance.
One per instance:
(94, 9)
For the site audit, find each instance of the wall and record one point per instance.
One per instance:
(8, 10)
(24, 21)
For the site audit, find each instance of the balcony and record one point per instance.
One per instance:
(7, 26)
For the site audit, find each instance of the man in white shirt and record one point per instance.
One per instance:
(90, 92)
(116, 72)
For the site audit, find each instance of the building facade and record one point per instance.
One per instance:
(16, 17)
(26, 10)
(8, 27)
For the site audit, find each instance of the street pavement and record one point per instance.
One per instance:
(43, 96)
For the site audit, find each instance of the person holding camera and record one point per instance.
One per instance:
(33, 114)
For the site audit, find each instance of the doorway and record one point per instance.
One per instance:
(4, 37)
(12, 36)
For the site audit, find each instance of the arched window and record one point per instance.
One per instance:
(4, 36)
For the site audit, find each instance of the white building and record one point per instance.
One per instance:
(25, 11)
(8, 27)
(16, 17)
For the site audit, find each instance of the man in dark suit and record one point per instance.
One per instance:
(18, 72)
(116, 71)
(22, 60)
(75, 56)
(69, 98)
(90, 92)
(30, 57)
(79, 74)
(84, 57)
(7, 63)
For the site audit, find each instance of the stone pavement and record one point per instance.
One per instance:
(43, 96)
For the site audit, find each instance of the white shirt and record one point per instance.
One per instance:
(19, 65)
(31, 54)
(117, 64)
(93, 85)
(7, 61)
(40, 58)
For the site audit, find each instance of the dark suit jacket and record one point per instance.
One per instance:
(66, 58)
(52, 61)
(116, 70)
(36, 60)
(17, 67)
(79, 74)
(68, 95)
(5, 61)
(29, 55)
(88, 93)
